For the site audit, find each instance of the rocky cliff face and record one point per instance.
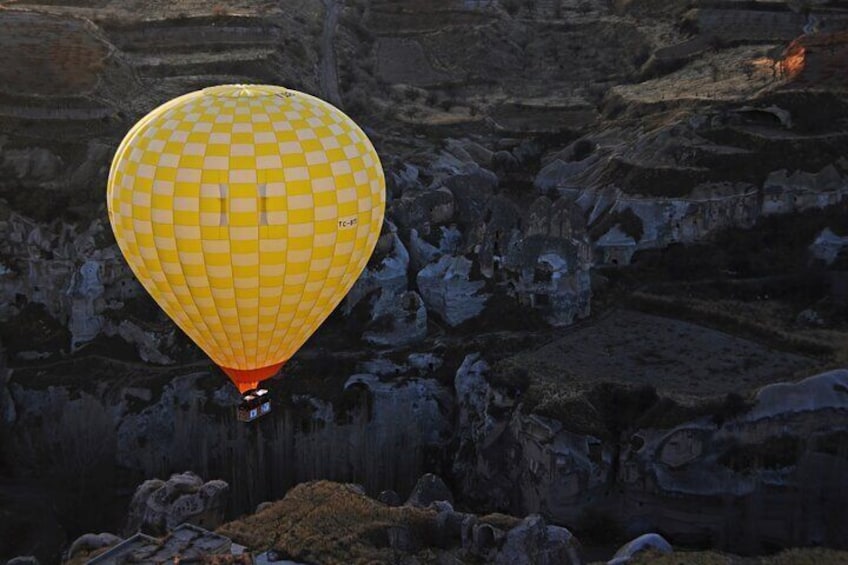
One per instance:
(669, 132)
(735, 475)
(741, 479)
(380, 434)
(160, 506)
(533, 151)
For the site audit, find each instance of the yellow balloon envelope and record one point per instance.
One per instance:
(247, 212)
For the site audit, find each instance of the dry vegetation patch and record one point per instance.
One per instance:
(730, 74)
(807, 556)
(771, 321)
(332, 523)
(679, 358)
(67, 52)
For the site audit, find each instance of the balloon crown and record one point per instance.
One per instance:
(249, 90)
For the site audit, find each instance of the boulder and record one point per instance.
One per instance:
(155, 425)
(472, 391)
(441, 506)
(420, 208)
(400, 412)
(615, 247)
(480, 154)
(421, 252)
(559, 174)
(499, 229)
(86, 288)
(390, 498)
(263, 506)
(397, 316)
(429, 489)
(505, 162)
(558, 219)
(356, 488)
(528, 152)
(469, 523)
(552, 275)
(90, 542)
(139, 501)
(149, 344)
(809, 318)
(160, 506)
(448, 291)
(787, 191)
(402, 321)
(817, 393)
(475, 429)
(401, 538)
(23, 560)
(448, 524)
(184, 483)
(8, 414)
(532, 542)
(781, 115)
(32, 164)
(226, 396)
(471, 188)
(457, 149)
(484, 539)
(645, 542)
(405, 178)
(388, 279)
(95, 167)
(446, 164)
(424, 363)
(683, 446)
(383, 367)
(827, 246)
(450, 240)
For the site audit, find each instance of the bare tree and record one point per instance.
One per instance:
(72, 449)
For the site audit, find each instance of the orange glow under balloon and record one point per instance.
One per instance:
(247, 379)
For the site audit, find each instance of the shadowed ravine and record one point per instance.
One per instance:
(494, 455)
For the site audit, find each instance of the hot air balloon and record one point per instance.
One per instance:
(247, 212)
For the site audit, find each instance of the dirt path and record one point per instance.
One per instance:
(328, 72)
